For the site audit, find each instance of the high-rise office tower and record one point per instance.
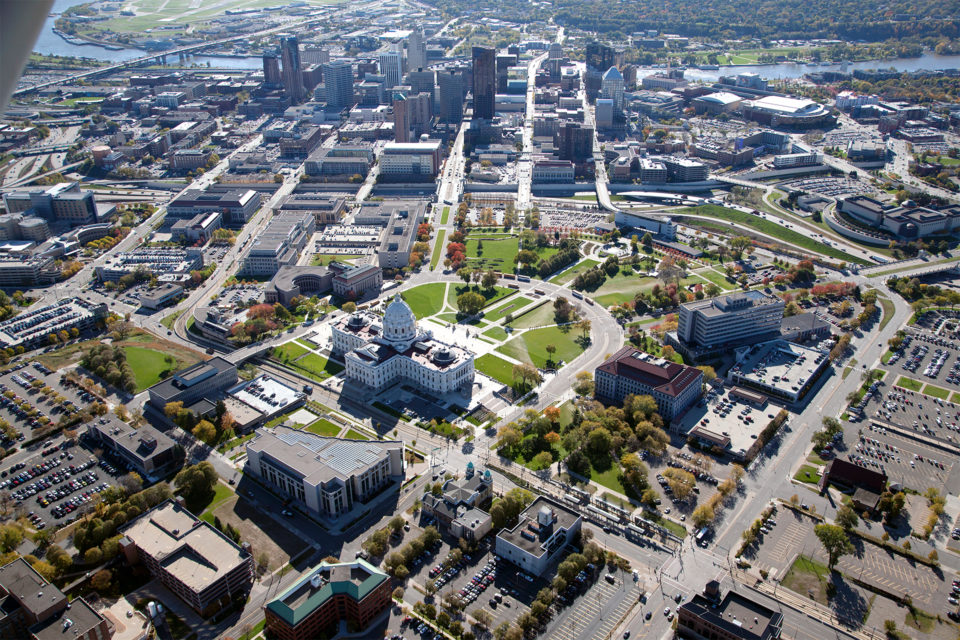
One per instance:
(314, 55)
(420, 81)
(450, 84)
(416, 51)
(338, 81)
(555, 52)
(574, 142)
(599, 57)
(612, 88)
(484, 82)
(292, 70)
(411, 116)
(504, 62)
(391, 66)
(271, 69)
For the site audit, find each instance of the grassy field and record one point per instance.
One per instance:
(514, 305)
(566, 276)
(497, 252)
(909, 383)
(323, 259)
(716, 278)
(936, 392)
(425, 300)
(495, 367)
(446, 214)
(316, 366)
(437, 250)
(608, 477)
(531, 345)
(324, 427)
(497, 333)
(289, 352)
(621, 288)
(772, 229)
(147, 365)
(221, 494)
(537, 317)
(807, 474)
(491, 295)
(808, 575)
(71, 353)
(352, 434)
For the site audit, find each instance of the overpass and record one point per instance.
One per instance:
(40, 151)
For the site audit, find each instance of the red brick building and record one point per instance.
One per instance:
(354, 592)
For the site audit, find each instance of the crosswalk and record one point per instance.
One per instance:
(595, 614)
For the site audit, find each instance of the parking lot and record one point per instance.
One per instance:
(58, 483)
(793, 535)
(29, 401)
(597, 610)
(906, 460)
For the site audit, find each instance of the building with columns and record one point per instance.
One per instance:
(382, 353)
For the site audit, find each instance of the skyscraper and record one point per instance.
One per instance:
(416, 51)
(484, 82)
(391, 66)
(411, 116)
(599, 57)
(271, 69)
(338, 81)
(612, 88)
(292, 70)
(574, 142)
(451, 96)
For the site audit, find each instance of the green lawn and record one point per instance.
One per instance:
(352, 434)
(621, 288)
(437, 250)
(446, 214)
(807, 474)
(425, 300)
(772, 229)
(888, 310)
(572, 272)
(909, 383)
(170, 319)
(716, 278)
(608, 477)
(289, 352)
(536, 317)
(323, 259)
(497, 333)
(808, 575)
(491, 295)
(514, 305)
(495, 367)
(936, 392)
(324, 427)
(147, 365)
(530, 346)
(221, 494)
(955, 398)
(495, 253)
(316, 366)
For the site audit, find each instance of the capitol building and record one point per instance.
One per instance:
(379, 353)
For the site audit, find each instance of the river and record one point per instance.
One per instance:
(52, 44)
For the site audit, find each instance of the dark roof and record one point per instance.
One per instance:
(81, 617)
(669, 378)
(802, 322)
(737, 615)
(854, 475)
(29, 588)
(178, 382)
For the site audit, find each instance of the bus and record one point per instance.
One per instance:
(577, 295)
(702, 536)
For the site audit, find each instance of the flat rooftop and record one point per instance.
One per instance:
(75, 622)
(737, 614)
(265, 394)
(722, 419)
(778, 363)
(529, 535)
(188, 548)
(318, 459)
(720, 305)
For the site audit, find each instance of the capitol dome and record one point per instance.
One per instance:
(399, 323)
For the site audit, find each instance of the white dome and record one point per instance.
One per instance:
(399, 323)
